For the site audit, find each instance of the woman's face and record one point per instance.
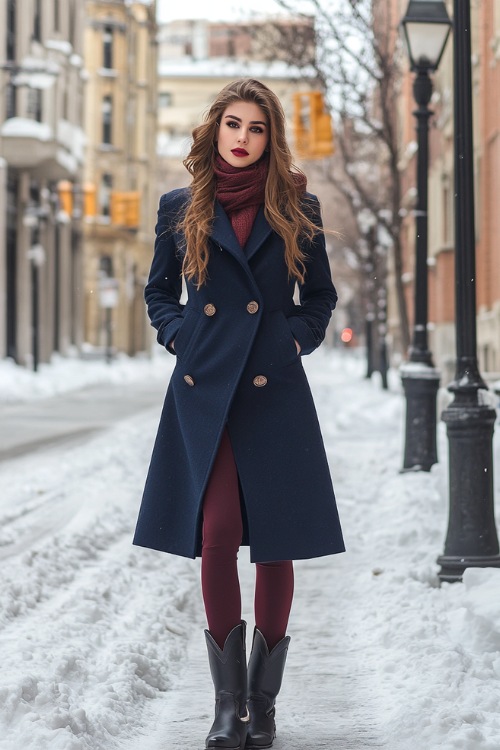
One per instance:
(243, 134)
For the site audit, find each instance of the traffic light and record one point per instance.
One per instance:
(89, 200)
(125, 209)
(65, 190)
(132, 212)
(301, 124)
(321, 127)
(312, 125)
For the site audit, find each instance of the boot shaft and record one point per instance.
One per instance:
(228, 666)
(265, 670)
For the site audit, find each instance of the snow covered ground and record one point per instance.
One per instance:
(101, 643)
(68, 374)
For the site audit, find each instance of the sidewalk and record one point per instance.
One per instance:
(330, 698)
(333, 697)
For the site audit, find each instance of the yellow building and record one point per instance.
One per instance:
(120, 178)
(41, 146)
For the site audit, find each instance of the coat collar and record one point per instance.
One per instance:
(223, 234)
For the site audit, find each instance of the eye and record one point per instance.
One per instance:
(256, 129)
(231, 123)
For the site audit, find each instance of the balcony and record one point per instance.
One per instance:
(28, 144)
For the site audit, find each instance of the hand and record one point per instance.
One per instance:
(299, 348)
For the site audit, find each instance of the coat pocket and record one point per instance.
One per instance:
(186, 335)
(284, 339)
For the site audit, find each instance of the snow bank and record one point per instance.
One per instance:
(91, 629)
(65, 374)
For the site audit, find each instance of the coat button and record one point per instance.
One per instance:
(210, 310)
(252, 307)
(259, 381)
(189, 380)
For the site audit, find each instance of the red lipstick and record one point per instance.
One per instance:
(239, 152)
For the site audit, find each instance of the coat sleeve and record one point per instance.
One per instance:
(317, 294)
(163, 290)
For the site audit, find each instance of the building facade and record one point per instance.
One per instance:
(485, 29)
(42, 79)
(120, 51)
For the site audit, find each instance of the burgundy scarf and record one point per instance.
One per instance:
(241, 191)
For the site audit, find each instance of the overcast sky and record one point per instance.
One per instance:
(216, 10)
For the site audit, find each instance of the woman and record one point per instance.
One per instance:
(239, 457)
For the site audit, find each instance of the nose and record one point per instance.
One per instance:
(242, 136)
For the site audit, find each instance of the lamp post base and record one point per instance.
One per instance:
(452, 567)
(421, 384)
(472, 539)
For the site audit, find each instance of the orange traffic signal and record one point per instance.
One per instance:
(65, 190)
(312, 125)
(125, 209)
(89, 200)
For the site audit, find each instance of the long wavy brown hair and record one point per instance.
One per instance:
(284, 209)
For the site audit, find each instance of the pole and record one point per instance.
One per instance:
(34, 315)
(419, 377)
(370, 366)
(471, 539)
(109, 335)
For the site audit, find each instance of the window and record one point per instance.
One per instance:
(107, 119)
(72, 24)
(164, 99)
(37, 21)
(57, 15)
(107, 47)
(447, 211)
(11, 100)
(106, 266)
(105, 194)
(35, 104)
(11, 30)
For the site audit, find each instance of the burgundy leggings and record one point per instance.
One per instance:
(222, 534)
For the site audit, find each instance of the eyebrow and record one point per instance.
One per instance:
(252, 122)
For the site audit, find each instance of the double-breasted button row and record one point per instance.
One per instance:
(210, 309)
(260, 381)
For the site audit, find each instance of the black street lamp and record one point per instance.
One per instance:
(472, 539)
(426, 27)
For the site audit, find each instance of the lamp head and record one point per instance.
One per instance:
(426, 27)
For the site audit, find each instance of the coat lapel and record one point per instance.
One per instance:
(259, 234)
(223, 235)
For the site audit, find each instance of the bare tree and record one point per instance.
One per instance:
(355, 60)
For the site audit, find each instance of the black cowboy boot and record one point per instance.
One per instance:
(229, 674)
(265, 673)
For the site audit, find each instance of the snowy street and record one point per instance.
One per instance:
(102, 643)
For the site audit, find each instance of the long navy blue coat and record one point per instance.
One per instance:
(237, 365)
